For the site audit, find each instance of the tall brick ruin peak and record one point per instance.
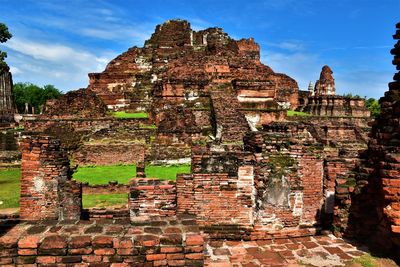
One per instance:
(326, 84)
(182, 63)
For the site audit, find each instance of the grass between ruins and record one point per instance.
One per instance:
(123, 173)
(9, 188)
(10, 182)
(291, 113)
(128, 115)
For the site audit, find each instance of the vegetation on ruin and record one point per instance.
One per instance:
(123, 173)
(9, 187)
(130, 115)
(5, 35)
(367, 260)
(34, 95)
(106, 200)
(291, 113)
(373, 106)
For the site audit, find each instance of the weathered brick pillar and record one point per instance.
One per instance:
(375, 208)
(47, 191)
(387, 133)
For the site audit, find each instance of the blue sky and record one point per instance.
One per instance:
(59, 42)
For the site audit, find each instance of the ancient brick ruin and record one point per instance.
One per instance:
(322, 100)
(7, 107)
(257, 176)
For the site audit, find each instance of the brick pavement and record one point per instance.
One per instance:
(309, 251)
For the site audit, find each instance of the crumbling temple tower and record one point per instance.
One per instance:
(6, 99)
(321, 100)
(326, 84)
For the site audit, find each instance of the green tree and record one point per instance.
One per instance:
(373, 106)
(34, 95)
(5, 35)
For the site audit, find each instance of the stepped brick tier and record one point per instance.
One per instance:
(7, 108)
(323, 101)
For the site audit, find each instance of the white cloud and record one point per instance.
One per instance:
(15, 70)
(63, 66)
(50, 52)
(301, 66)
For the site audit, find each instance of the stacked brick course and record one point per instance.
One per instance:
(165, 243)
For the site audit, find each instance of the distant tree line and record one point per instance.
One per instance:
(34, 95)
(371, 104)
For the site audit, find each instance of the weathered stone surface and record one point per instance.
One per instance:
(7, 107)
(81, 103)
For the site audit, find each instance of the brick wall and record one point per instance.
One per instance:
(165, 243)
(109, 154)
(47, 191)
(151, 198)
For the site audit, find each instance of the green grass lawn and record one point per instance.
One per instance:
(9, 187)
(130, 115)
(100, 201)
(166, 172)
(123, 173)
(291, 113)
(103, 174)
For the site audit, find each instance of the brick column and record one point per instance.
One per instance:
(47, 191)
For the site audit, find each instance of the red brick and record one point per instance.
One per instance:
(80, 241)
(102, 242)
(160, 263)
(104, 251)
(123, 243)
(53, 242)
(27, 251)
(178, 256)
(176, 262)
(80, 251)
(91, 258)
(194, 256)
(29, 242)
(194, 240)
(155, 257)
(126, 251)
(171, 249)
(46, 259)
